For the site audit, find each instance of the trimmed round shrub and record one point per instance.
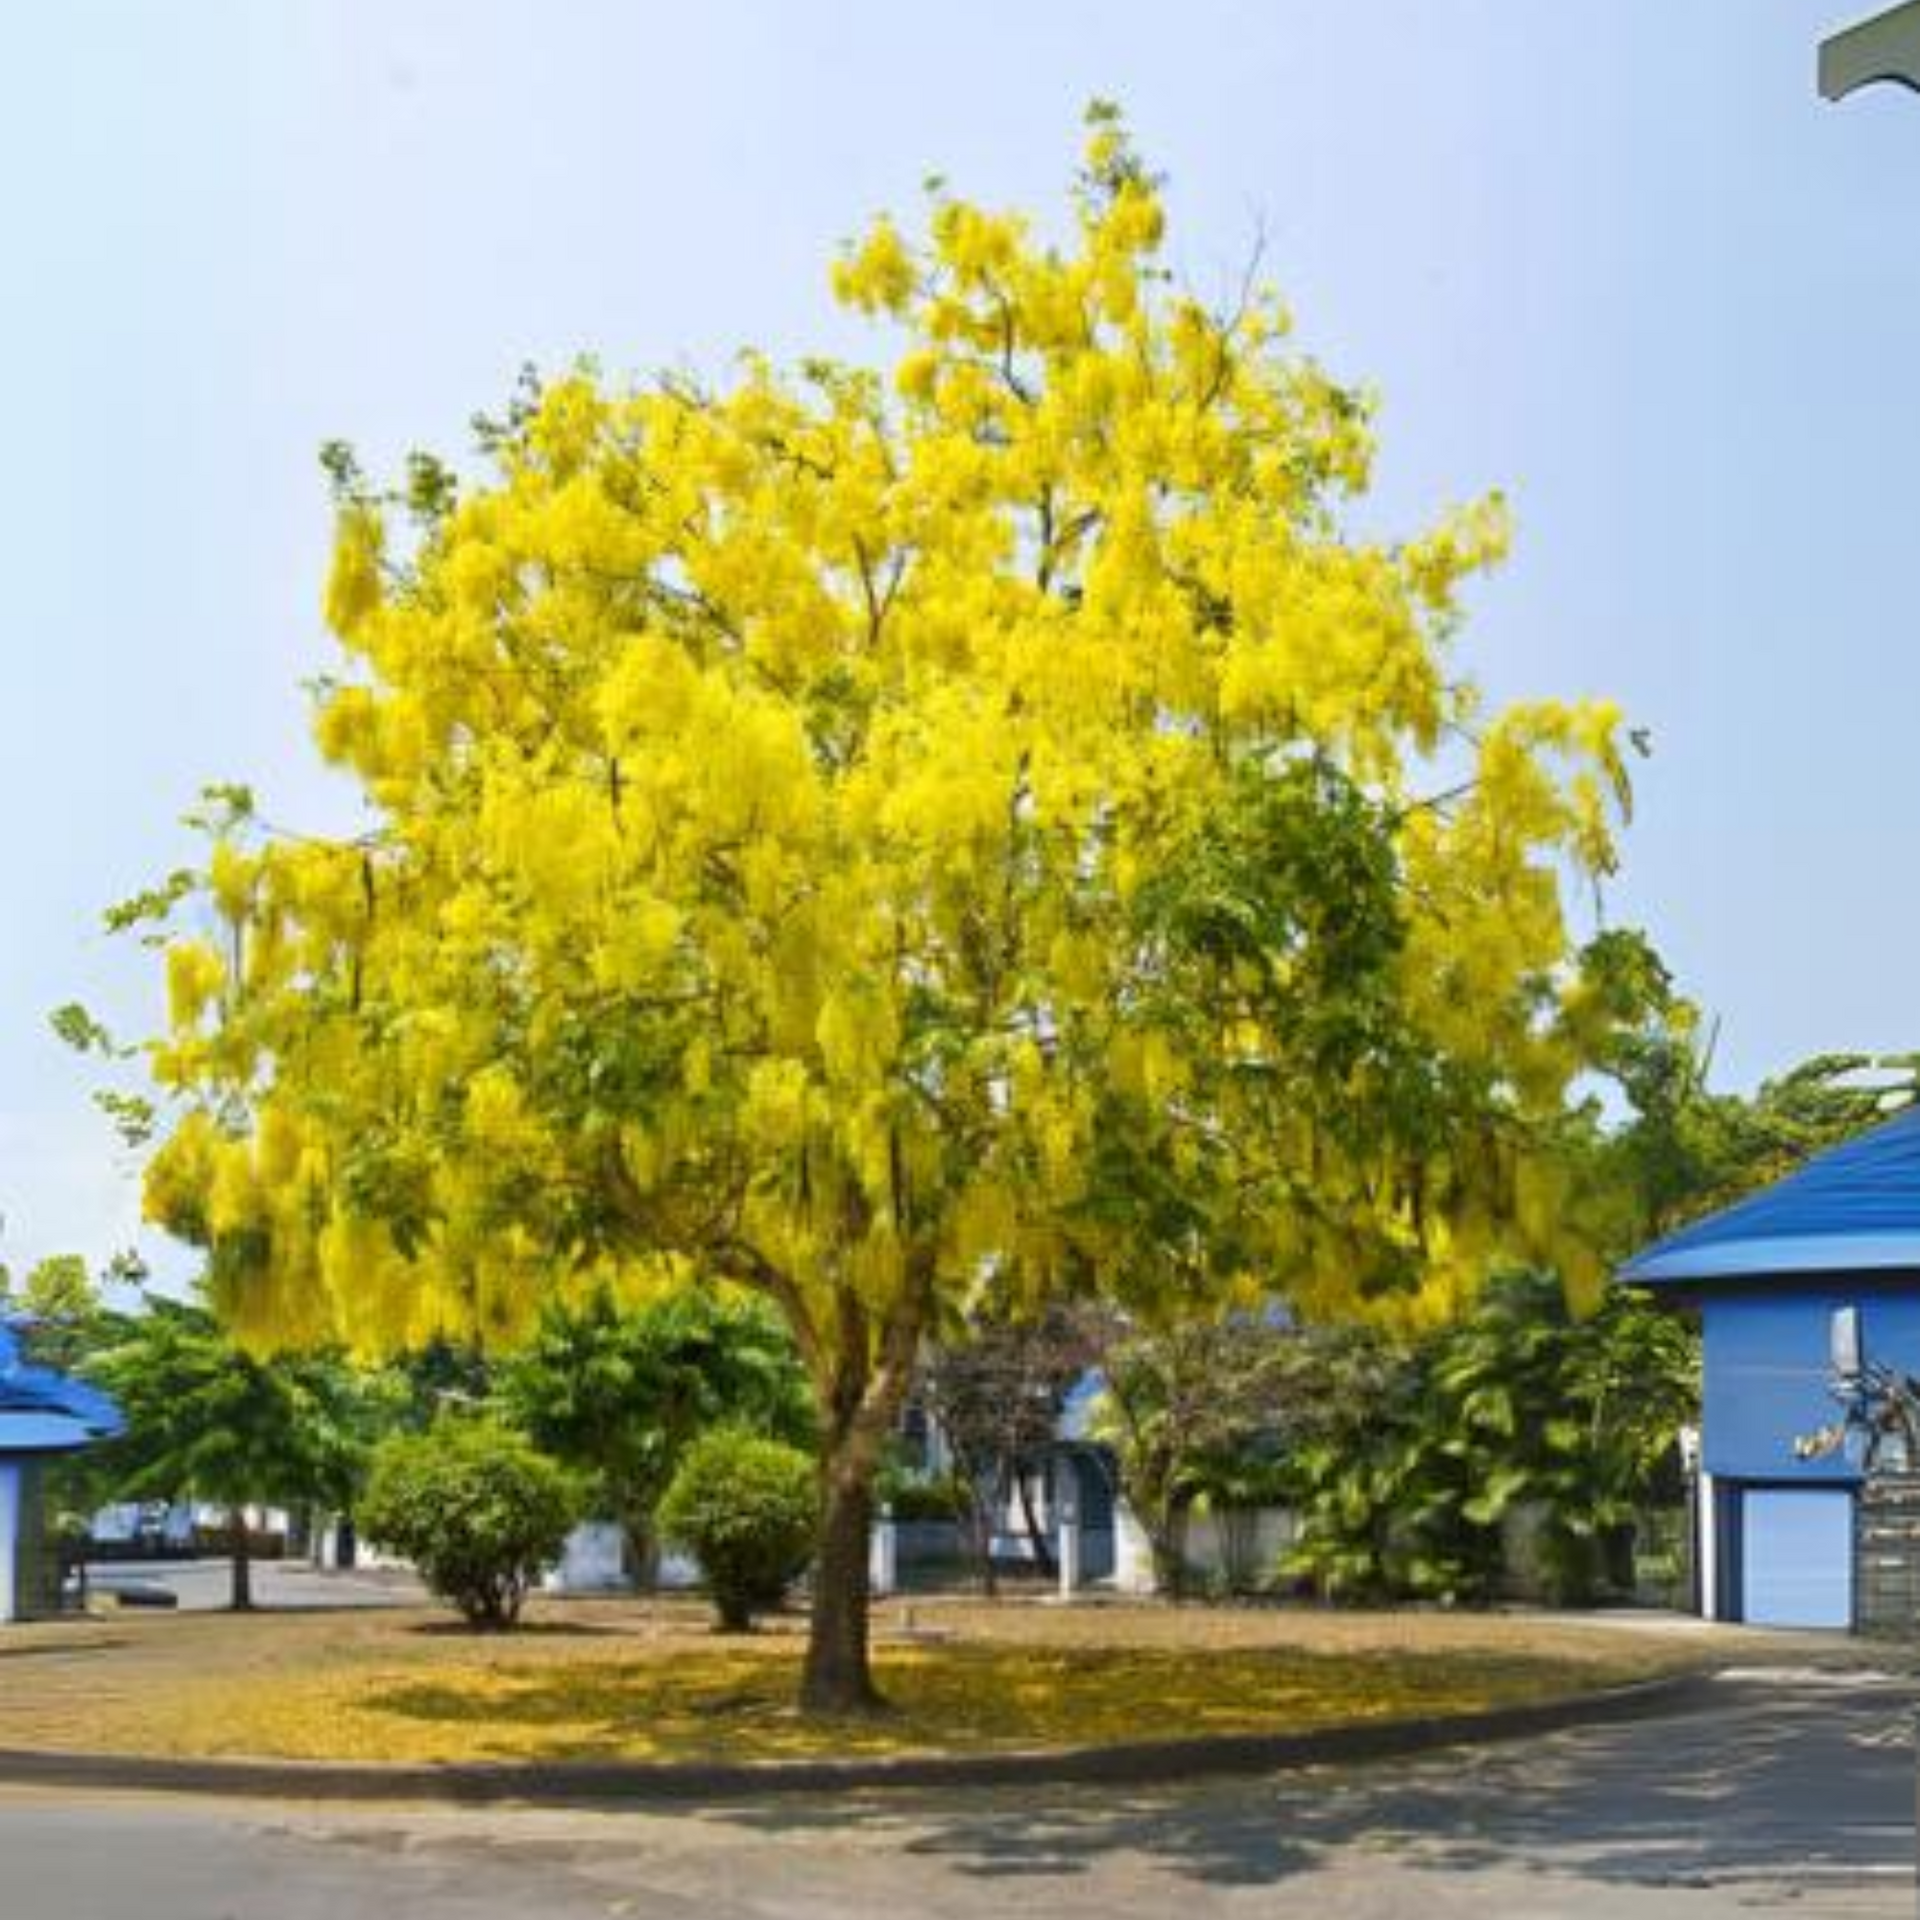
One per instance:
(476, 1508)
(746, 1509)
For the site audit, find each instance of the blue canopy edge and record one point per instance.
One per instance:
(45, 1411)
(1853, 1209)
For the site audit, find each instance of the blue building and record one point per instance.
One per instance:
(43, 1414)
(1776, 1532)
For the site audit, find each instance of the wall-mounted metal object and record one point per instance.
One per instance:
(1845, 1355)
(1879, 1422)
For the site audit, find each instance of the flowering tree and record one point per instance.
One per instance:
(856, 836)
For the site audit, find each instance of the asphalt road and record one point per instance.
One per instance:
(1793, 1794)
(204, 1586)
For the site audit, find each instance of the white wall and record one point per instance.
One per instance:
(592, 1561)
(1132, 1554)
(1273, 1531)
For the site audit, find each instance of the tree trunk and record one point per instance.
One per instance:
(861, 1373)
(1167, 1536)
(1036, 1534)
(984, 1505)
(838, 1677)
(642, 1553)
(1619, 1567)
(240, 1545)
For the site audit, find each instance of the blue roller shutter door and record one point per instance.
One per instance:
(1796, 1562)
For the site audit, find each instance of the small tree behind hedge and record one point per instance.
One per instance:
(476, 1508)
(1196, 1409)
(618, 1391)
(998, 1391)
(747, 1509)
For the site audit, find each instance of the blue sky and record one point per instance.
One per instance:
(1610, 255)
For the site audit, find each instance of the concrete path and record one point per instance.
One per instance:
(1793, 1795)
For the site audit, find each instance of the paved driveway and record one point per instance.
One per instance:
(1794, 1794)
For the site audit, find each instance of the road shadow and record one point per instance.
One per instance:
(1800, 1778)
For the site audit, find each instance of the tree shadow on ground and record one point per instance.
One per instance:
(457, 1629)
(733, 1699)
(1799, 1777)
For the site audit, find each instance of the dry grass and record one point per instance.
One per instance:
(648, 1681)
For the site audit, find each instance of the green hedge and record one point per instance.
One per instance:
(747, 1509)
(476, 1508)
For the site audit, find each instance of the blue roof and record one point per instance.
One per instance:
(44, 1411)
(1853, 1209)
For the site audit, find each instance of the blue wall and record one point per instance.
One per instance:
(1766, 1369)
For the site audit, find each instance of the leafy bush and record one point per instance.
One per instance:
(477, 1510)
(1421, 1457)
(913, 1500)
(747, 1509)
